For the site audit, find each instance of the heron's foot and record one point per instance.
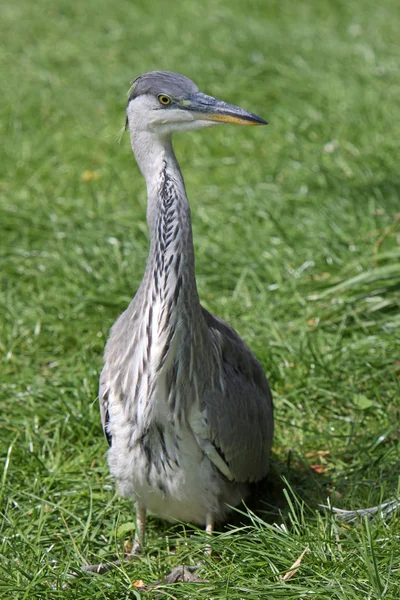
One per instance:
(181, 573)
(104, 567)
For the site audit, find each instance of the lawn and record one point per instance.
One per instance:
(297, 239)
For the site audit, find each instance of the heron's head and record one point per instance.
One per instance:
(163, 102)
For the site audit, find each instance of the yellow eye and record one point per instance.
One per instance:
(164, 100)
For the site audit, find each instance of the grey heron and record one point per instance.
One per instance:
(185, 404)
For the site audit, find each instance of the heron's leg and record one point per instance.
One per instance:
(138, 542)
(210, 523)
(209, 530)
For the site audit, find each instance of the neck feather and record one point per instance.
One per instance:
(170, 273)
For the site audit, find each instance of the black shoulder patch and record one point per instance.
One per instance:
(106, 422)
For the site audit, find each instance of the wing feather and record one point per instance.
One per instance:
(236, 418)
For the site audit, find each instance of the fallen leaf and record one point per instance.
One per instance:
(90, 176)
(319, 453)
(318, 468)
(295, 566)
(362, 402)
(125, 528)
(313, 321)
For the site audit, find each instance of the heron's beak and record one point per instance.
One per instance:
(208, 108)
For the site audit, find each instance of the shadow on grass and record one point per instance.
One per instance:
(268, 500)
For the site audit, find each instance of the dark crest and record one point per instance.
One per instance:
(162, 82)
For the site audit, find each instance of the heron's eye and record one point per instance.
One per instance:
(164, 100)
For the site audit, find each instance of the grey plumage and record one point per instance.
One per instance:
(162, 82)
(184, 403)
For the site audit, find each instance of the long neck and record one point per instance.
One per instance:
(170, 273)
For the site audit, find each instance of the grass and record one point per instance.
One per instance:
(297, 239)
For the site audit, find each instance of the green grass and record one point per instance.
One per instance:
(297, 239)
